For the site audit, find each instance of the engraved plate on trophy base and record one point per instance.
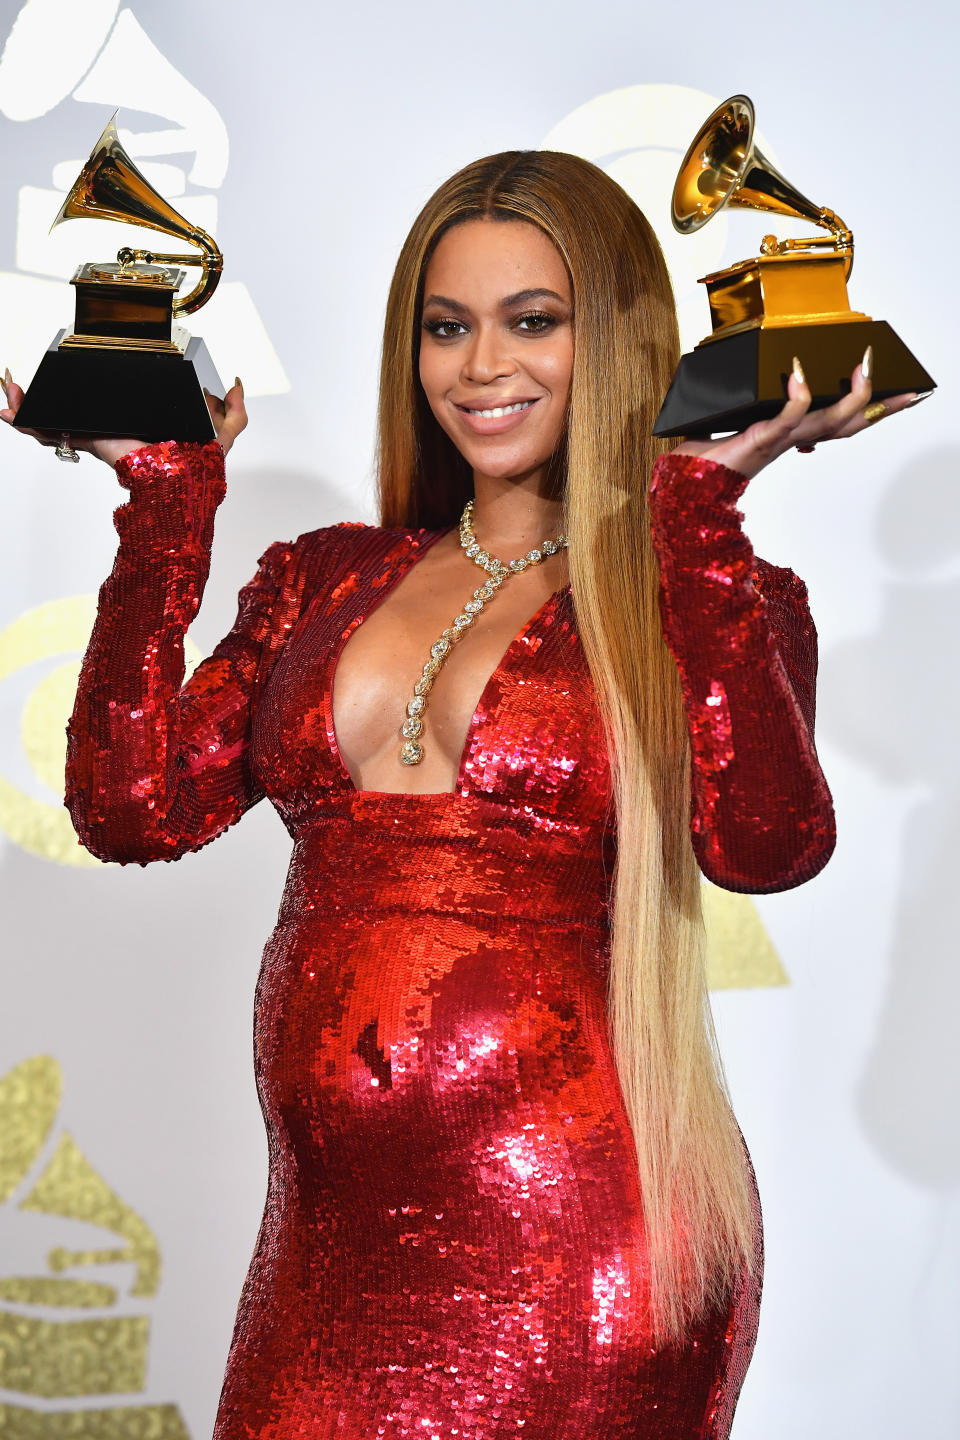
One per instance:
(120, 390)
(730, 383)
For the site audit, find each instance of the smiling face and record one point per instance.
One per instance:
(496, 346)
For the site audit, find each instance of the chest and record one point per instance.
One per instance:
(383, 659)
(512, 714)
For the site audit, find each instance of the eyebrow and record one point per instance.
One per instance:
(537, 293)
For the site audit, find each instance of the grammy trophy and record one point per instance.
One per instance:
(790, 300)
(125, 369)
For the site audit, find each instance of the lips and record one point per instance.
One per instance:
(512, 413)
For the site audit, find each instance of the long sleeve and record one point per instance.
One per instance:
(746, 648)
(154, 770)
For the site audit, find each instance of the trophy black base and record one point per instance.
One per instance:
(109, 390)
(729, 384)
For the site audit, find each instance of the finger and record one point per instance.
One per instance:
(832, 420)
(48, 438)
(764, 441)
(41, 437)
(235, 416)
(13, 394)
(770, 433)
(892, 406)
(214, 404)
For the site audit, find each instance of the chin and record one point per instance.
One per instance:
(503, 467)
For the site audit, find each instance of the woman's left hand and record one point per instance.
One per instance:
(797, 426)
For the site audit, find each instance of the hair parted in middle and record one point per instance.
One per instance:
(692, 1165)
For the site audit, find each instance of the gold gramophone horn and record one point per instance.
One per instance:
(723, 166)
(110, 187)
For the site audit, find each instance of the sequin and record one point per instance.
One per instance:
(452, 1243)
(746, 648)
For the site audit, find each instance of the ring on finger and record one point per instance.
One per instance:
(65, 451)
(874, 411)
(805, 449)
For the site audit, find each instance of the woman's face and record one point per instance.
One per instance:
(497, 335)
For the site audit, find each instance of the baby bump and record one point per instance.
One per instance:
(412, 1052)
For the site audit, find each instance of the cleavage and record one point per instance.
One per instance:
(384, 656)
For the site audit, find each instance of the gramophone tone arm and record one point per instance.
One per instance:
(840, 239)
(831, 221)
(126, 257)
(210, 259)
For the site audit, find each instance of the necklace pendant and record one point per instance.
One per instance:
(411, 751)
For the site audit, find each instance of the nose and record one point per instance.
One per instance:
(487, 357)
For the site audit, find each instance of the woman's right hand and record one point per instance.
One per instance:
(229, 418)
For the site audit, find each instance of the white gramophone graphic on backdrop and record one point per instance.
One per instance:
(106, 59)
(639, 135)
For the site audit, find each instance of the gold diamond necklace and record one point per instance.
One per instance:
(411, 751)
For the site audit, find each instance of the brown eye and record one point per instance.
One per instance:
(536, 322)
(444, 329)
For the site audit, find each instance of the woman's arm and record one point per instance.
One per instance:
(152, 770)
(746, 648)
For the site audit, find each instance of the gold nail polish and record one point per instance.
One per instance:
(798, 374)
(866, 368)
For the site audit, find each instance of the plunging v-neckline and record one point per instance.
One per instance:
(334, 661)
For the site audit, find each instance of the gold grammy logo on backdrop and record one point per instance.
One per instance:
(82, 1355)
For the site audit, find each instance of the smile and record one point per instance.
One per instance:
(495, 419)
(499, 410)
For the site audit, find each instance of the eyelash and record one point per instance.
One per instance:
(435, 327)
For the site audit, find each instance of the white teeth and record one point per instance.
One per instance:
(502, 410)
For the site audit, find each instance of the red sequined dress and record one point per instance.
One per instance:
(452, 1244)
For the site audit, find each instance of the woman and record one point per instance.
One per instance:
(507, 1195)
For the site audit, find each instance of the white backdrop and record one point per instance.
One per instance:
(307, 137)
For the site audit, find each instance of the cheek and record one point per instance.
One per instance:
(558, 375)
(434, 373)
(557, 370)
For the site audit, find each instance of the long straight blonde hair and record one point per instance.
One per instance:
(693, 1168)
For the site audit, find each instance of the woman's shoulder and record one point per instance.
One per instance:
(351, 544)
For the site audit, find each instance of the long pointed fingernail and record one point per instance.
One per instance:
(916, 400)
(239, 384)
(798, 374)
(7, 380)
(866, 368)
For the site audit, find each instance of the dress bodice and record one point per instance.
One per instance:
(534, 744)
(533, 774)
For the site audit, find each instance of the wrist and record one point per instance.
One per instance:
(182, 481)
(111, 452)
